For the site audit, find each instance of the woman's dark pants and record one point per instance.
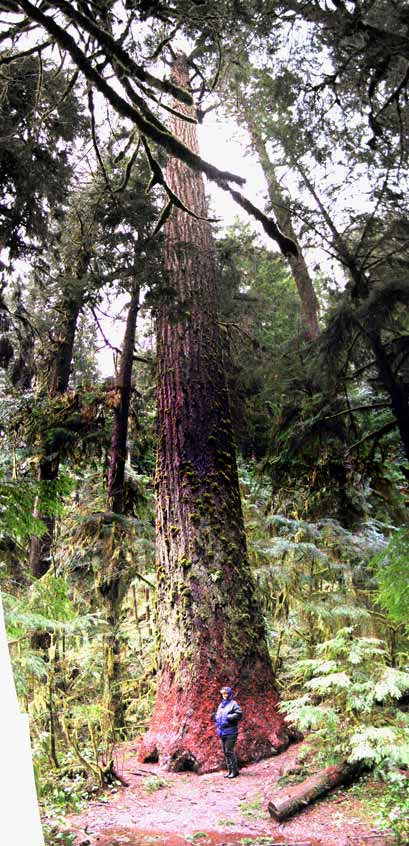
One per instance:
(228, 744)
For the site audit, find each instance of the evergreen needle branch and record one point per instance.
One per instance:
(165, 41)
(64, 95)
(107, 342)
(287, 245)
(143, 360)
(23, 26)
(122, 107)
(232, 325)
(158, 178)
(360, 370)
(164, 215)
(386, 620)
(145, 580)
(139, 102)
(95, 139)
(174, 112)
(128, 170)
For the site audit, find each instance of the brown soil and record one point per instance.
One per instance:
(212, 811)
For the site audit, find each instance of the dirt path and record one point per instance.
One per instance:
(212, 811)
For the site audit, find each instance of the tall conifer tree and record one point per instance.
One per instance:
(210, 628)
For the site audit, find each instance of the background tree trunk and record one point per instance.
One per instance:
(114, 584)
(299, 269)
(123, 385)
(210, 629)
(48, 468)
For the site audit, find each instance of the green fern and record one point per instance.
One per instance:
(350, 700)
(392, 572)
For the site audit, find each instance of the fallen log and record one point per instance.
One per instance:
(293, 798)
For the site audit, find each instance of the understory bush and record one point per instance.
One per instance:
(350, 700)
(393, 807)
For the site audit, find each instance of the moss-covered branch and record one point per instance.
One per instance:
(117, 53)
(146, 127)
(287, 245)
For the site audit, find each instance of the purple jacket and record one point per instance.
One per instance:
(228, 715)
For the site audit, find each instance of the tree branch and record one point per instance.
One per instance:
(377, 433)
(115, 51)
(146, 127)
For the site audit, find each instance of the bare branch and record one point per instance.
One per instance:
(15, 57)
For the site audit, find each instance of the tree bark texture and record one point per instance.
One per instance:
(299, 269)
(290, 800)
(210, 629)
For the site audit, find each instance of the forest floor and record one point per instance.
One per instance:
(159, 808)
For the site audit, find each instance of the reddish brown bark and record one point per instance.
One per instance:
(210, 629)
(289, 800)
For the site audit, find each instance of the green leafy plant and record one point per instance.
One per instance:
(154, 783)
(392, 574)
(54, 836)
(251, 807)
(393, 808)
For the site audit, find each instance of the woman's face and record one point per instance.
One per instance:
(224, 693)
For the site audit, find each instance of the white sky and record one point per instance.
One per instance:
(224, 145)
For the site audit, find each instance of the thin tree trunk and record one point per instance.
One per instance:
(48, 469)
(123, 385)
(299, 269)
(210, 629)
(398, 392)
(113, 584)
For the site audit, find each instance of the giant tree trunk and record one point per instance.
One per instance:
(210, 629)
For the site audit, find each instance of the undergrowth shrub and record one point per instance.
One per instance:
(350, 700)
(393, 808)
